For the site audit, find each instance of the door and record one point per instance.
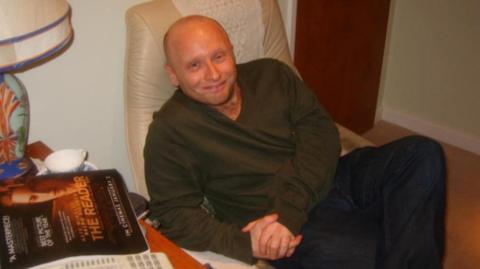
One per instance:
(339, 48)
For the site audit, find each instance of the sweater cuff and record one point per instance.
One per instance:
(290, 216)
(243, 248)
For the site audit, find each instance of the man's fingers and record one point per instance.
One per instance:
(263, 222)
(271, 218)
(283, 248)
(296, 241)
(254, 240)
(290, 252)
(249, 227)
(267, 220)
(293, 244)
(265, 236)
(279, 246)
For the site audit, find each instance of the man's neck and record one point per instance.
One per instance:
(233, 107)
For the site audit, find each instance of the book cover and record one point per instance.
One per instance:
(46, 218)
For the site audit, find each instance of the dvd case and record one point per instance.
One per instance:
(58, 216)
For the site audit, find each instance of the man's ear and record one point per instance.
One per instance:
(172, 75)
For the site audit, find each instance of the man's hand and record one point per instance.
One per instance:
(270, 239)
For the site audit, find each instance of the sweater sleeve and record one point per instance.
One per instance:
(306, 178)
(177, 201)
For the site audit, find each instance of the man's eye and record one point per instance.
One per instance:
(194, 65)
(219, 57)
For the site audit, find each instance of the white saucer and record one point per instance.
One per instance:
(87, 166)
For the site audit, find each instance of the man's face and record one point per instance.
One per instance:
(42, 191)
(202, 63)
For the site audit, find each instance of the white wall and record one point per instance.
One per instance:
(431, 74)
(76, 99)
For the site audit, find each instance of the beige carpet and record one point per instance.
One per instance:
(463, 198)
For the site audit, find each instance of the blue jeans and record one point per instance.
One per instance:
(386, 210)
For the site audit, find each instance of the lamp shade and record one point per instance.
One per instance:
(31, 30)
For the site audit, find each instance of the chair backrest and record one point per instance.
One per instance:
(147, 86)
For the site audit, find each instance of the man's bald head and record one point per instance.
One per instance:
(201, 63)
(189, 23)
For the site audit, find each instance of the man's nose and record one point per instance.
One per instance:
(212, 71)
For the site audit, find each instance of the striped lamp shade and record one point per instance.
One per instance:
(31, 30)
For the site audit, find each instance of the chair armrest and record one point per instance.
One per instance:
(350, 140)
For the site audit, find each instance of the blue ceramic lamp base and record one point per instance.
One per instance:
(14, 123)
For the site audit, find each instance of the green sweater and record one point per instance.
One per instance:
(208, 175)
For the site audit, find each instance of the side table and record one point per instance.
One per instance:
(156, 241)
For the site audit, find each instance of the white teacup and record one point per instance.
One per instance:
(66, 160)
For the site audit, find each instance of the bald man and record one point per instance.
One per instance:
(242, 160)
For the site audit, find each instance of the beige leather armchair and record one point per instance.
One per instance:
(147, 86)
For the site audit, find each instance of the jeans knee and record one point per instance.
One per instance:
(427, 149)
(428, 156)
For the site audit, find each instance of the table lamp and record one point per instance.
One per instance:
(30, 31)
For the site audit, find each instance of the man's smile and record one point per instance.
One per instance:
(215, 87)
